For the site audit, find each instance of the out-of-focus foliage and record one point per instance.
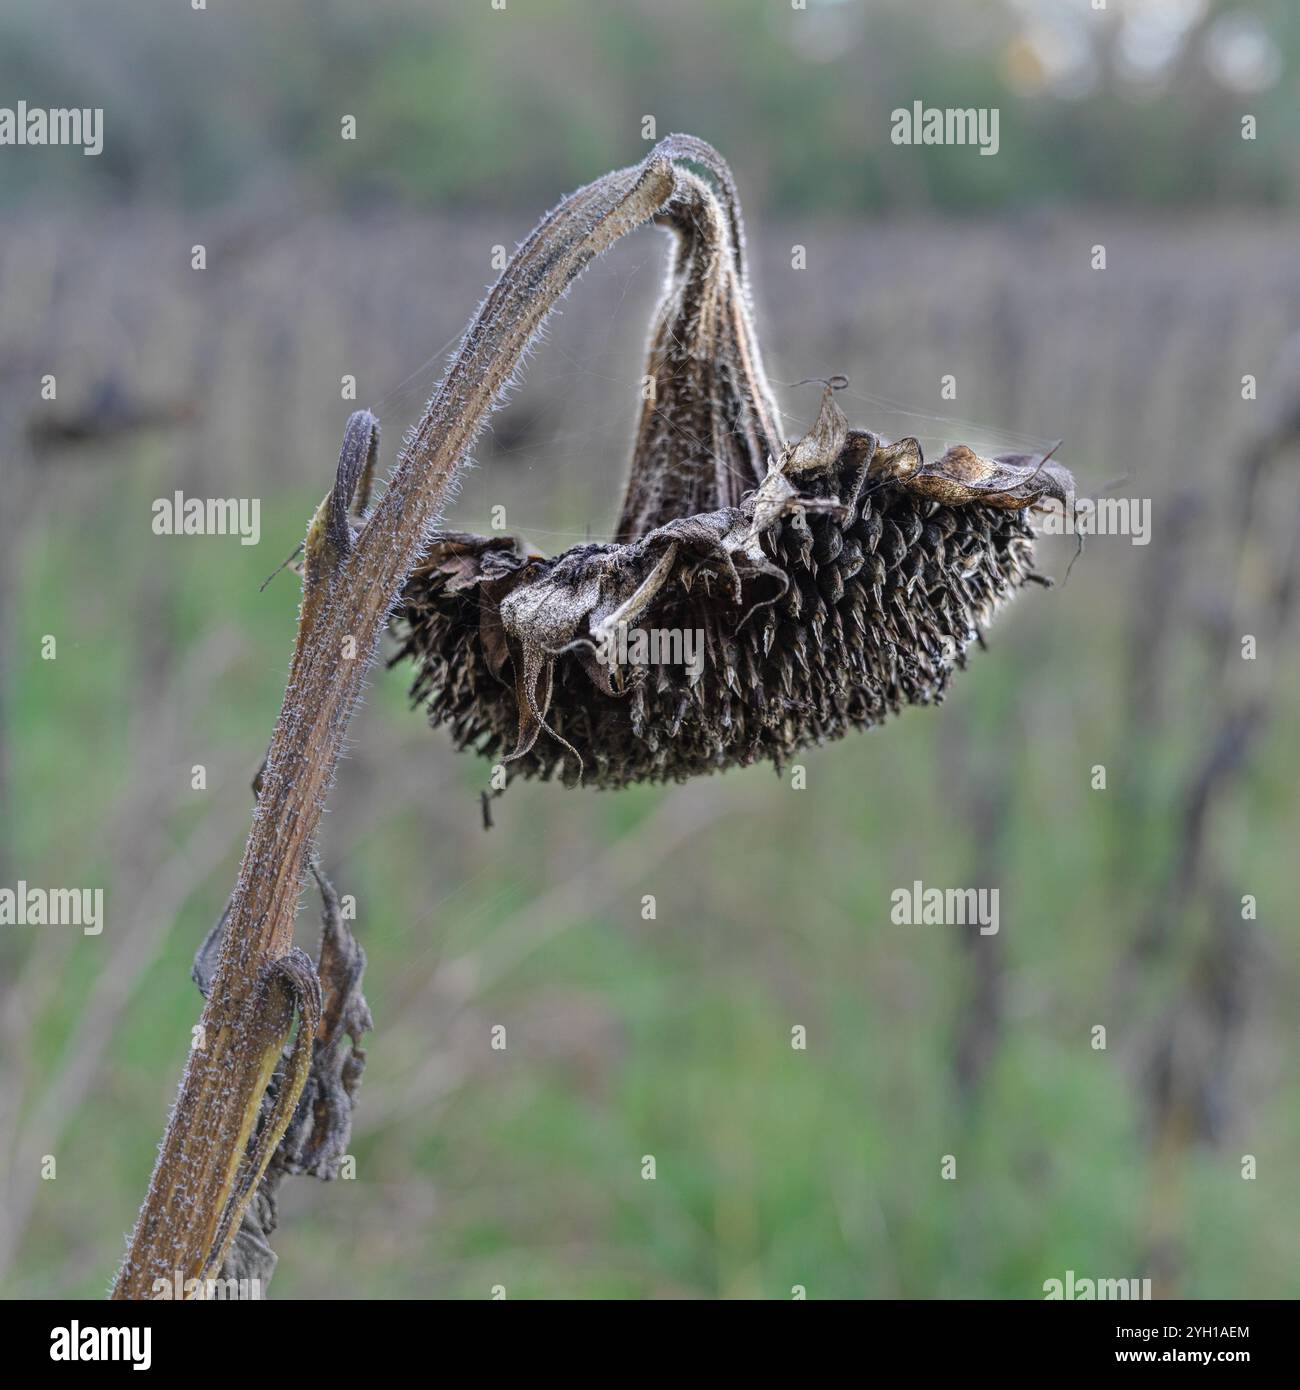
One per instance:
(456, 101)
(672, 1036)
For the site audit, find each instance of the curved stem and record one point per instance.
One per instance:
(348, 594)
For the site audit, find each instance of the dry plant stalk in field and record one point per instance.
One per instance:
(835, 578)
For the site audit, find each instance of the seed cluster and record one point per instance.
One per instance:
(878, 605)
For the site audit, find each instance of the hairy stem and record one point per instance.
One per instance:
(202, 1176)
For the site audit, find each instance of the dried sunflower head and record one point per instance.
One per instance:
(760, 595)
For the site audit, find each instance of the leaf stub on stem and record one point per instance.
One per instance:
(289, 985)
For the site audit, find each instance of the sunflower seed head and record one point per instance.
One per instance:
(828, 582)
(799, 659)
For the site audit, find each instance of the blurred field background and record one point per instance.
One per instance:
(671, 1037)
